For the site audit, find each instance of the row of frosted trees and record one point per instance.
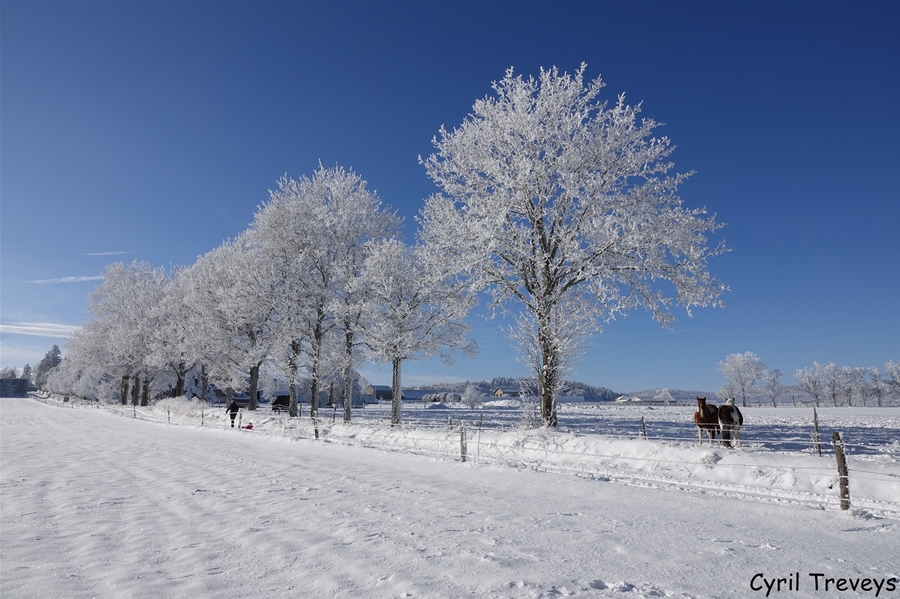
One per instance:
(848, 384)
(558, 208)
(746, 374)
(318, 283)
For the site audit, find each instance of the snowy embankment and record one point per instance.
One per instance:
(96, 504)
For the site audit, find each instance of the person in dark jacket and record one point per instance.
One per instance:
(232, 410)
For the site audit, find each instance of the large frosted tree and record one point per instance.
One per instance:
(565, 206)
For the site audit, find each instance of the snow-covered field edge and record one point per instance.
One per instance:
(750, 473)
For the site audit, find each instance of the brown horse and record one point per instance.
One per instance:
(730, 421)
(707, 419)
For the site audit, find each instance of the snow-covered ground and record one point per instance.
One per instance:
(171, 502)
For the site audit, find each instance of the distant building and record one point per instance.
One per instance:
(507, 392)
(626, 399)
(379, 392)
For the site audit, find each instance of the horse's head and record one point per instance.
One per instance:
(729, 401)
(701, 401)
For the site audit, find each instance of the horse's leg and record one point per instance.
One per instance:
(737, 437)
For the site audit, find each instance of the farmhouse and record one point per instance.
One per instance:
(379, 392)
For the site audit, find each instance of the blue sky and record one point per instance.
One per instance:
(152, 131)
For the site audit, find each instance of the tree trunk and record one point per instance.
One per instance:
(293, 404)
(179, 382)
(548, 378)
(204, 383)
(135, 390)
(348, 374)
(318, 335)
(145, 392)
(396, 393)
(348, 396)
(347, 393)
(254, 386)
(123, 391)
(314, 392)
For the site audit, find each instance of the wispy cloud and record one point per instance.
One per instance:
(106, 253)
(67, 280)
(40, 329)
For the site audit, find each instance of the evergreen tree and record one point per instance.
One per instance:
(50, 361)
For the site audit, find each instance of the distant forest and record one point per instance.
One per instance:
(589, 392)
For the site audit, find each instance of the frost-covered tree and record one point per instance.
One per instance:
(727, 390)
(313, 233)
(472, 396)
(892, 372)
(852, 383)
(123, 303)
(89, 360)
(874, 386)
(831, 380)
(744, 371)
(231, 311)
(772, 386)
(564, 206)
(27, 372)
(810, 380)
(664, 396)
(410, 310)
(170, 347)
(9, 372)
(50, 361)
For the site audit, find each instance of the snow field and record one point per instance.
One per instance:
(97, 504)
(777, 462)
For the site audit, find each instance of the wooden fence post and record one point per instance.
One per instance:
(643, 427)
(462, 443)
(842, 470)
(816, 439)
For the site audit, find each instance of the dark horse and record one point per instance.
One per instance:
(707, 419)
(730, 421)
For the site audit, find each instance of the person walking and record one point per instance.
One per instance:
(232, 410)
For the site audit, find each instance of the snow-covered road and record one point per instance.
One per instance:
(97, 505)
